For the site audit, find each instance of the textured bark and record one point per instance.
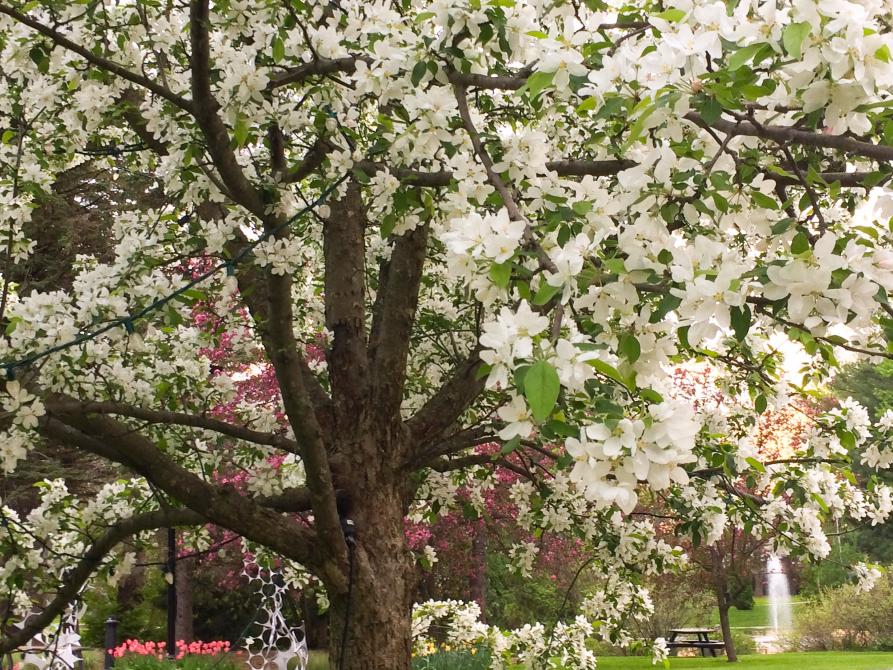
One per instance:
(383, 585)
(478, 585)
(184, 623)
(723, 603)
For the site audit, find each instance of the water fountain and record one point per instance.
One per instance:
(779, 595)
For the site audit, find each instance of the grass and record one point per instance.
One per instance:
(319, 660)
(758, 617)
(816, 660)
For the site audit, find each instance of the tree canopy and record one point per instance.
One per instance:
(439, 225)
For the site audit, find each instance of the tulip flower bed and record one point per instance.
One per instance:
(150, 655)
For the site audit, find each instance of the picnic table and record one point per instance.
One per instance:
(695, 638)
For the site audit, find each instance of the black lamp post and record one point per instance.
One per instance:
(171, 593)
(111, 641)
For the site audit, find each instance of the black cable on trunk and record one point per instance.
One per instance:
(350, 538)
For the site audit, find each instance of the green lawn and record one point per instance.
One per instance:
(817, 660)
(758, 617)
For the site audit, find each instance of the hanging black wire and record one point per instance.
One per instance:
(350, 558)
(128, 321)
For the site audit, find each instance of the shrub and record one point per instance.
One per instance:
(149, 655)
(189, 662)
(744, 642)
(824, 575)
(846, 618)
(743, 599)
(476, 659)
(679, 600)
(138, 604)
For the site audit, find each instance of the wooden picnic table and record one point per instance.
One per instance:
(695, 638)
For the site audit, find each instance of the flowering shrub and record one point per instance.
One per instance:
(159, 649)
(150, 655)
(565, 647)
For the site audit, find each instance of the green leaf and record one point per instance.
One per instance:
(741, 318)
(800, 243)
(424, 16)
(501, 274)
(651, 396)
(782, 226)
(609, 371)
(760, 404)
(545, 293)
(682, 334)
(793, 37)
(541, 387)
(671, 15)
(278, 49)
(743, 56)
(822, 503)
(511, 445)
(563, 429)
(764, 201)
(241, 131)
(538, 81)
(630, 347)
(638, 126)
(360, 175)
(615, 265)
(710, 110)
(418, 72)
(388, 222)
(755, 464)
(8, 136)
(883, 54)
(587, 105)
(582, 207)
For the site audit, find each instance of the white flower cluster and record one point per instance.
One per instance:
(610, 461)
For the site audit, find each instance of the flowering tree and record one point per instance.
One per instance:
(504, 219)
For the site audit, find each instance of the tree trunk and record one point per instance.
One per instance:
(479, 577)
(379, 632)
(731, 656)
(183, 584)
(721, 587)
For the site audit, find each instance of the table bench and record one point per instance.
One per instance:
(701, 640)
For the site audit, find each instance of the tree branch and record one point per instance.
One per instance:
(316, 67)
(789, 135)
(174, 418)
(100, 62)
(393, 318)
(344, 251)
(205, 112)
(290, 367)
(106, 437)
(447, 404)
(74, 579)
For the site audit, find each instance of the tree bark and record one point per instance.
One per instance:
(378, 609)
(721, 587)
(183, 584)
(479, 578)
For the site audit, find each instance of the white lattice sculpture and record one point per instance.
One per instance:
(59, 649)
(278, 643)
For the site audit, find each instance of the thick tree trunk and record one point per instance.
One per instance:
(379, 615)
(184, 621)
